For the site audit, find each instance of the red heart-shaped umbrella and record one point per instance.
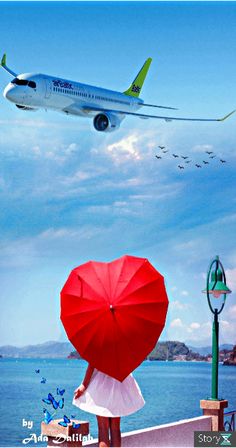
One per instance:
(114, 313)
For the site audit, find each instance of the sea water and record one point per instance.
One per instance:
(172, 391)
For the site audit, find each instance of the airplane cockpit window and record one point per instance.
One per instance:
(32, 84)
(24, 82)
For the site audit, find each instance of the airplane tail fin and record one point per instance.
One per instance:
(3, 61)
(136, 86)
(3, 64)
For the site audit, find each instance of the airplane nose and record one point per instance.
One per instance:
(9, 92)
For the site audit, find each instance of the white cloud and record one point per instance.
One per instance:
(195, 332)
(231, 312)
(194, 325)
(199, 332)
(176, 323)
(231, 279)
(227, 331)
(184, 293)
(71, 148)
(176, 305)
(125, 149)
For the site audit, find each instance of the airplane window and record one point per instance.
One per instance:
(32, 84)
(19, 82)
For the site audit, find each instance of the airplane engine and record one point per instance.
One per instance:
(106, 122)
(30, 109)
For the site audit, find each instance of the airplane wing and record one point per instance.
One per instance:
(159, 107)
(160, 117)
(3, 65)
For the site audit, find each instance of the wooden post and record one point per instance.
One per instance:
(65, 436)
(215, 408)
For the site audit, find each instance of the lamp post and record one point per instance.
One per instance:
(216, 287)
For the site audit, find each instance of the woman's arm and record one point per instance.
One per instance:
(88, 376)
(80, 390)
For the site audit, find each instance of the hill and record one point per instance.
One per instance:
(50, 349)
(174, 351)
(164, 351)
(167, 351)
(207, 350)
(231, 361)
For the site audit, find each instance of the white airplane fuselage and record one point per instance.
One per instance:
(34, 91)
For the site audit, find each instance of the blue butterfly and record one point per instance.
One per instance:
(72, 416)
(47, 416)
(48, 400)
(51, 400)
(75, 425)
(65, 421)
(43, 380)
(37, 371)
(60, 392)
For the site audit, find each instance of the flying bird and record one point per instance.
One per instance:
(223, 161)
(198, 166)
(181, 167)
(184, 157)
(175, 155)
(161, 147)
(206, 163)
(164, 152)
(212, 157)
(187, 161)
(209, 152)
(158, 157)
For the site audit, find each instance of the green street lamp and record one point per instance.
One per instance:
(216, 287)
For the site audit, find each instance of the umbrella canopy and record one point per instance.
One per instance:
(114, 313)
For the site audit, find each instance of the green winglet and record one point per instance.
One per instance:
(227, 116)
(4, 60)
(136, 86)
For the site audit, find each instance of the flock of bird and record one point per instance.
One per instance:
(186, 159)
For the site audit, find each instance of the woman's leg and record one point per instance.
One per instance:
(115, 431)
(103, 431)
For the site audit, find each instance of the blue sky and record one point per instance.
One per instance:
(70, 194)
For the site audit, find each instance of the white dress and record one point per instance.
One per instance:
(109, 397)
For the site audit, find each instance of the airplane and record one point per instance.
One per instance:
(181, 167)
(158, 157)
(108, 108)
(175, 155)
(198, 166)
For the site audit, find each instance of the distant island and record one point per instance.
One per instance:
(178, 351)
(163, 351)
(50, 349)
(231, 360)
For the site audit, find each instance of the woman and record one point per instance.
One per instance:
(109, 399)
